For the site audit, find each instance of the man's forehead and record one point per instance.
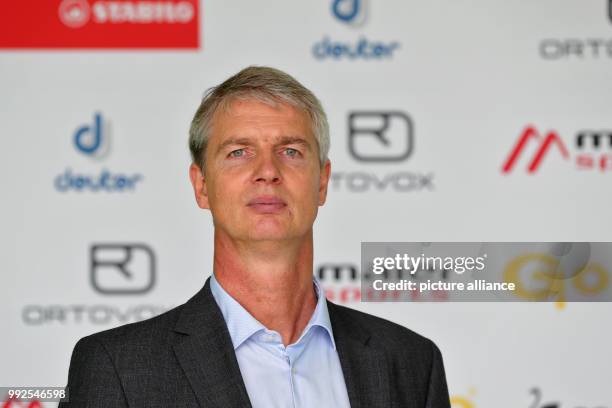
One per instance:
(251, 118)
(251, 107)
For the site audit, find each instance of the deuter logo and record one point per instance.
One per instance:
(380, 136)
(353, 14)
(122, 269)
(591, 150)
(92, 141)
(100, 24)
(348, 11)
(575, 48)
(88, 138)
(384, 137)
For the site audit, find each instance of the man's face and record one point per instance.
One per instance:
(263, 179)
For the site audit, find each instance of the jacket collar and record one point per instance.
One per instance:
(365, 367)
(242, 325)
(206, 354)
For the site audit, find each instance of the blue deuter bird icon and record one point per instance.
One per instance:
(347, 10)
(87, 139)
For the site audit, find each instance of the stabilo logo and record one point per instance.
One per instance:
(74, 13)
(546, 143)
(100, 24)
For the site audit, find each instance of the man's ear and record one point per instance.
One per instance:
(324, 181)
(198, 182)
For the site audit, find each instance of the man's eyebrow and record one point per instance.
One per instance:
(285, 140)
(233, 141)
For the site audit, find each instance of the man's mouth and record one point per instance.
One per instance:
(267, 205)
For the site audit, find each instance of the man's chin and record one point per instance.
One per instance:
(269, 235)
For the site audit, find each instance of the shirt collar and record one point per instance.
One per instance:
(242, 325)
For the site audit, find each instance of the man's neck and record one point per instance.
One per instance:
(271, 280)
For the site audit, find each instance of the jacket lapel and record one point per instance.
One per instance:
(365, 369)
(206, 354)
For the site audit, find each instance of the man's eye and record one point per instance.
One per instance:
(237, 153)
(291, 152)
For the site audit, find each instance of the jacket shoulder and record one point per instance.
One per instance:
(132, 347)
(139, 331)
(415, 362)
(393, 338)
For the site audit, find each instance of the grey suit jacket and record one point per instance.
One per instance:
(185, 358)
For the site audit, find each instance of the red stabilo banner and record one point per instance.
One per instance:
(99, 24)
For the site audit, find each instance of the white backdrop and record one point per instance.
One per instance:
(470, 74)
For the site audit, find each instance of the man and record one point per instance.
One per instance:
(260, 333)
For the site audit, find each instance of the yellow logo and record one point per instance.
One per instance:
(590, 279)
(462, 401)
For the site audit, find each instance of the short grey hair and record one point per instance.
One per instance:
(265, 84)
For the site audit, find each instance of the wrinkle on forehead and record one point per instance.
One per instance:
(228, 106)
(252, 116)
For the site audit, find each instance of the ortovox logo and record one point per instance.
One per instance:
(122, 269)
(380, 136)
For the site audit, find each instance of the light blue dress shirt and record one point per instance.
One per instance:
(305, 374)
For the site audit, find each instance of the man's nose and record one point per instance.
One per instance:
(267, 169)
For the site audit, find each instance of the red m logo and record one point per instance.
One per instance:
(13, 402)
(545, 144)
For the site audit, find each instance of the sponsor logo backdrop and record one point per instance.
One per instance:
(486, 120)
